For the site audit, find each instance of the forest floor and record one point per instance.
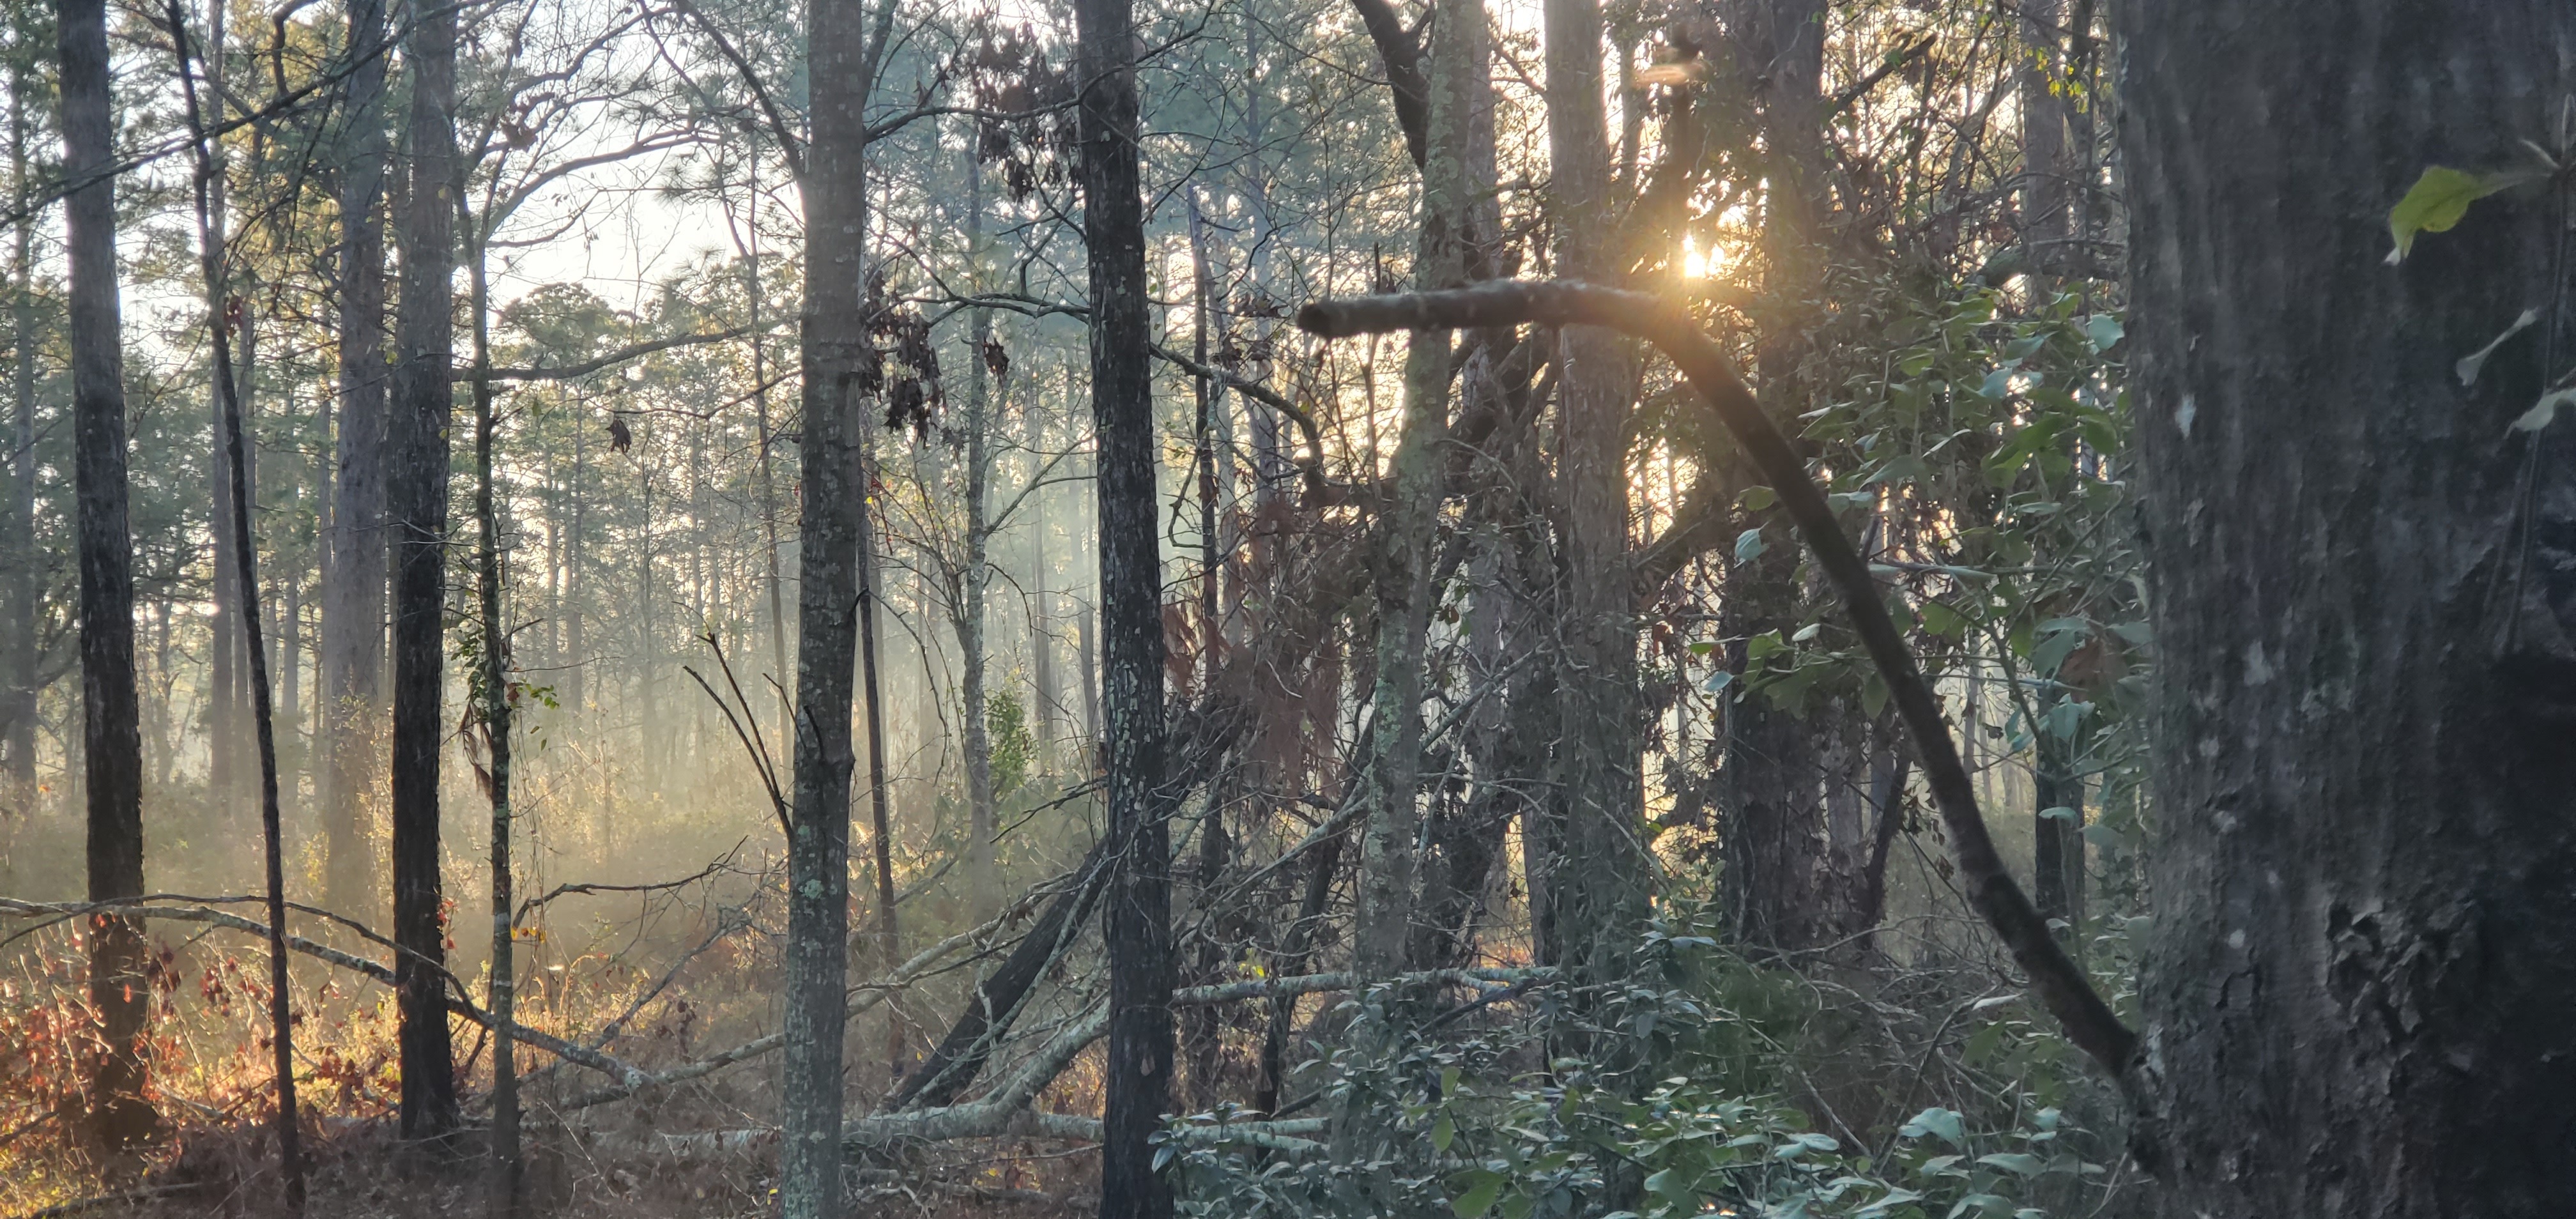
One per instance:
(359, 1170)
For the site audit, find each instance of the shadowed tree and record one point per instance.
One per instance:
(111, 736)
(2363, 594)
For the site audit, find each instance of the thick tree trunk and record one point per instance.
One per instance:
(2365, 939)
(831, 579)
(1138, 926)
(1600, 882)
(422, 404)
(353, 594)
(111, 735)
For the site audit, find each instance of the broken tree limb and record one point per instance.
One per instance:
(1000, 995)
(2061, 985)
(863, 997)
(996, 1113)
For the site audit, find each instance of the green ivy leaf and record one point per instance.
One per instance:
(1443, 1133)
(2437, 201)
(1936, 1121)
(2018, 1163)
(1748, 545)
(2105, 331)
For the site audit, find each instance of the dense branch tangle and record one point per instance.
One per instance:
(1991, 890)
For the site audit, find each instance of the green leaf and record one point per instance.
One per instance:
(1755, 499)
(1443, 1133)
(1936, 1121)
(2021, 1164)
(1940, 619)
(1990, 1203)
(1717, 682)
(1479, 1199)
(2105, 331)
(1748, 545)
(2059, 813)
(1901, 466)
(2439, 198)
(1873, 695)
(1807, 633)
(1670, 1186)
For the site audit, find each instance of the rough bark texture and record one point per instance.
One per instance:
(111, 736)
(417, 509)
(2363, 590)
(1407, 532)
(353, 594)
(829, 582)
(1598, 889)
(1138, 926)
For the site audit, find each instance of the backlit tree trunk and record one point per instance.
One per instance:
(1138, 922)
(111, 737)
(422, 404)
(2363, 591)
(353, 593)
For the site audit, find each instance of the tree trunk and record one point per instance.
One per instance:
(983, 889)
(353, 596)
(2365, 941)
(18, 720)
(831, 546)
(111, 734)
(501, 1185)
(1406, 534)
(235, 495)
(417, 508)
(1599, 886)
(1138, 926)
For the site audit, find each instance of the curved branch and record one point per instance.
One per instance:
(1991, 891)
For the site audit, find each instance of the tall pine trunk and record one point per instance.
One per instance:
(831, 578)
(2364, 947)
(18, 718)
(423, 401)
(1138, 923)
(354, 572)
(1598, 886)
(111, 734)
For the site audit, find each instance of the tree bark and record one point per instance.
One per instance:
(1599, 887)
(1407, 531)
(111, 733)
(353, 595)
(498, 711)
(831, 580)
(1138, 926)
(418, 417)
(2365, 943)
(983, 889)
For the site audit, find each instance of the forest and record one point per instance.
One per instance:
(1288, 609)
